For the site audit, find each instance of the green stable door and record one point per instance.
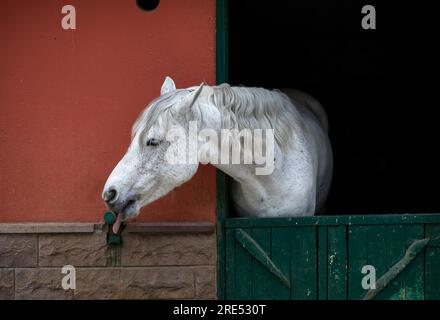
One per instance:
(323, 257)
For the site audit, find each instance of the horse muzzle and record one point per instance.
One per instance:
(125, 206)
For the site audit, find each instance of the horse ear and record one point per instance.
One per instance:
(190, 100)
(167, 86)
(195, 94)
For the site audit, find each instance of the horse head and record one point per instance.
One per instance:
(145, 174)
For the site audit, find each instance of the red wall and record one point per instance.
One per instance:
(68, 99)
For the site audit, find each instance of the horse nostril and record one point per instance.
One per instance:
(110, 195)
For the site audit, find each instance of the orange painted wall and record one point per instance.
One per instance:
(68, 99)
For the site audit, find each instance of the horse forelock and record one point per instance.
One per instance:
(159, 106)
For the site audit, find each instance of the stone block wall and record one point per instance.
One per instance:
(156, 261)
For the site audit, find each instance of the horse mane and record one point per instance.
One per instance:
(240, 108)
(256, 108)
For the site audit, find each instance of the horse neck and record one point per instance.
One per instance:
(245, 176)
(210, 118)
(247, 187)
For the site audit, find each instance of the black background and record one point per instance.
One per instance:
(160, 309)
(379, 87)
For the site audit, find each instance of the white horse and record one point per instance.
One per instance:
(302, 170)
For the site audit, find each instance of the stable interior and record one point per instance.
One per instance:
(379, 88)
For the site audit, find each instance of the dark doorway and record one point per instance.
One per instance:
(380, 89)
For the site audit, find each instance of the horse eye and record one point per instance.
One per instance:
(153, 142)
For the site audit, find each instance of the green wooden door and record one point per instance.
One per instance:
(263, 262)
(323, 257)
(382, 246)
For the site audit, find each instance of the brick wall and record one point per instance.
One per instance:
(155, 262)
